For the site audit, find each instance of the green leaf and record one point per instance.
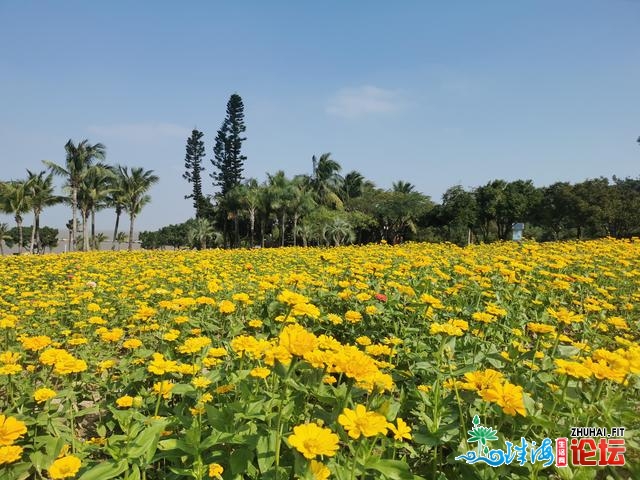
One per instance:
(134, 474)
(392, 469)
(182, 388)
(101, 430)
(240, 460)
(145, 444)
(266, 451)
(106, 470)
(215, 438)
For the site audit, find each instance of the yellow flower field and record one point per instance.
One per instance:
(353, 362)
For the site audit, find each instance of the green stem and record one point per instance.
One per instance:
(279, 425)
(157, 409)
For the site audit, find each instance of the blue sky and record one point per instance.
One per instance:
(435, 93)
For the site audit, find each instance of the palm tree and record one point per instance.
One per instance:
(40, 192)
(325, 180)
(201, 231)
(301, 203)
(15, 201)
(79, 158)
(403, 187)
(266, 200)
(4, 235)
(96, 187)
(121, 237)
(282, 191)
(115, 200)
(341, 231)
(352, 185)
(306, 231)
(137, 183)
(97, 240)
(250, 199)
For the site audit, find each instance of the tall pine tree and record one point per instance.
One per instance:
(229, 161)
(193, 166)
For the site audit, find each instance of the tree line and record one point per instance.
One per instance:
(321, 207)
(325, 207)
(90, 185)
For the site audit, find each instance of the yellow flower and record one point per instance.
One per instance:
(297, 340)
(329, 379)
(160, 366)
(352, 316)
(93, 307)
(618, 322)
(378, 350)
(112, 335)
(362, 422)
(194, 344)
(43, 394)
(65, 467)
(35, 343)
(188, 369)
(69, 364)
(260, 372)
(565, 316)
(319, 470)
(573, 369)
(200, 382)
(226, 307)
(52, 355)
(225, 389)
(255, 323)
(206, 397)
(483, 317)
(214, 286)
(242, 298)
(132, 343)
(171, 335)
(10, 369)
(312, 440)
(402, 431)
(370, 310)
(105, 365)
(8, 321)
(125, 401)
(307, 309)
(215, 470)
(481, 380)
(540, 328)
(163, 388)
(10, 454)
(508, 396)
(291, 298)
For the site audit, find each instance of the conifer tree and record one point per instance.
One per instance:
(193, 166)
(229, 162)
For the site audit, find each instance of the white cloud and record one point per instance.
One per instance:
(364, 100)
(140, 132)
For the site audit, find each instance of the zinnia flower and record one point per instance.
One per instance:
(10, 454)
(10, 430)
(319, 470)
(312, 440)
(215, 470)
(402, 431)
(65, 467)
(43, 394)
(362, 422)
